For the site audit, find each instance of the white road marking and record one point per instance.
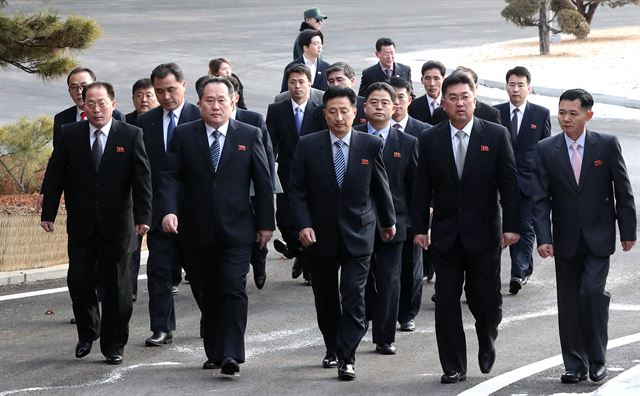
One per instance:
(496, 383)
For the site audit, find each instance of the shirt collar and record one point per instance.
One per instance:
(392, 68)
(438, 99)
(384, 131)
(105, 129)
(403, 122)
(580, 139)
(521, 107)
(234, 113)
(467, 128)
(223, 129)
(309, 62)
(346, 139)
(302, 106)
(176, 112)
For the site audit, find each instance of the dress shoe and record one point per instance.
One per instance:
(114, 359)
(83, 348)
(72, 321)
(451, 377)
(408, 326)
(134, 298)
(282, 248)
(159, 338)
(515, 285)
(259, 280)
(486, 358)
(330, 361)
(346, 372)
(229, 367)
(209, 365)
(597, 372)
(385, 349)
(573, 376)
(433, 298)
(174, 290)
(296, 270)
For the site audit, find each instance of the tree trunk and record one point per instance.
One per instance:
(543, 28)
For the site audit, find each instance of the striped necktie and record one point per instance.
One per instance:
(339, 163)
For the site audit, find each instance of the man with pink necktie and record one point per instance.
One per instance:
(581, 181)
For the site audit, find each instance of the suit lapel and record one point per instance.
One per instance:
(229, 144)
(473, 148)
(287, 115)
(525, 123)
(110, 146)
(326, 153)
(355, 155)
(307, 118)
(565, 161)
(390, 145)
(202, 142)
(589, 154)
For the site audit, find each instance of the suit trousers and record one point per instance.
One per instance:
(386, 266)
(340, 305)
(583, 307)
(223, 274)
(164, 252)
(104, 264)
(135, 265)
(410, 281)
(521, 252)
(480, 274)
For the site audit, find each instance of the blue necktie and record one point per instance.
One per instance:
(170, 128)
(298, 116)
(214, 149)
(339, 163)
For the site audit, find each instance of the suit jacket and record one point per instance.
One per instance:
(340, 217)
(104, 199)
(315, 95)
(415, 127)
(151, 124)
(400, 157)
(256, 120)
(217, 207)
(131, 118)
(588, 207)
(419, 109)
(535, 126)
(320, 123)
(466, 207)
(284, 136)
(482, 111)
(320, 80)
(68, 116)
(375, 74)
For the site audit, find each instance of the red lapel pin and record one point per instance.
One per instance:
(242, 147)
(364, 161)
(396, 154)
(119, 149)
(533, 126)
(597, 163)
(484, 148)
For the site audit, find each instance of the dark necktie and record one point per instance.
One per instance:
(170, 128)
(378, 134)
(339, 163)
(398, 127)
(514, 125)
(214, 149)
(387, 72)
(96, 149)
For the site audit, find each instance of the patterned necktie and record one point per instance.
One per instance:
(96, 149)
(576, 161)
(379, 134)
(398, 126)
(461, 152)
(214, 149)
(298, 118)
(83, 116)
(170, 128)
(514, 125)
(434, 106)
(387, 73)
(339, 162)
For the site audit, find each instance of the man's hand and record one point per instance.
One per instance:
(170, 223)
(47, 225)
(509, 238)
(263, 236)
(307, 236)
(627, 245)
(388, 233)
(545, 250)
(422, 240)
(141, 229)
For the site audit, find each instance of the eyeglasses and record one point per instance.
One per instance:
(75, 87)
(456, 99)
(102, 103)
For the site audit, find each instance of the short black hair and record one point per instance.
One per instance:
(585, 98)
(81, 70)
(339, 92)
(143, 83)
(457, 77)
(164, 69)
(433, 64)
(234, 81)
(298, 68)
(519, 71)
(340, 66)
(199, 81)
(305, 37)
(384, 42)
(216, 63)
(469, 70)
(206, 80)
(399, 82)
(381, 86)
(110, 91)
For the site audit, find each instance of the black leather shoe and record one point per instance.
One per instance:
(159, 338)
(259, 274)
(229, 367)
(452, 377)
(573, 376)
(433, 298)
(385, 349)
(114, 359)
(330, 361)
(296, 271)
(486, 358)
(83, 348)
(175, 290)
(597, 372)
(209, 365)
(408, 326)
(515, 285)
(282, 248)
(72, 321)
(346, 372)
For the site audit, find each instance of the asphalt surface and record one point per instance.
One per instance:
(284, 346)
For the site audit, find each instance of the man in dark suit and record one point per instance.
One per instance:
(336, 177)
(400, 157)
(313, 19)
(211, 163)
(340, 74)
(414, 259)
(286, 122)
(102, 168)
(482, 111)
(463, 166)
(166, 256)
(528, 123)
(385, 68)
(581, 181)
(311, 43)
(422, 108)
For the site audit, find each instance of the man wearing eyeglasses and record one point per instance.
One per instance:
(463, 165)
